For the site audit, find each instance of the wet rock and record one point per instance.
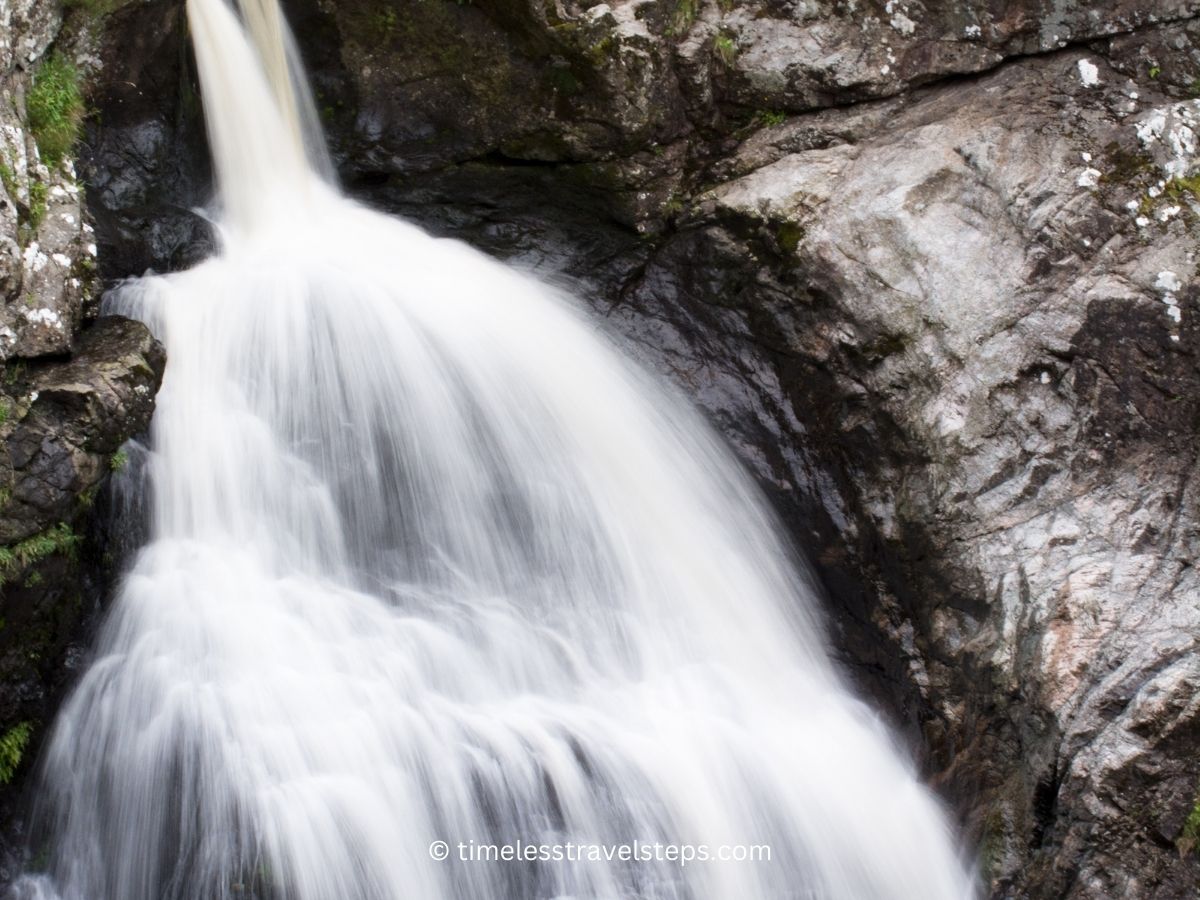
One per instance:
(145, 160)
(61, 427)
(65, 420)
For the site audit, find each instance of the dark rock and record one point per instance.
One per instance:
(64, 426)
(145, 159)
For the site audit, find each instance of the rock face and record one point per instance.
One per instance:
(44, 242)
(996, 282)
(931, 268)
(70, 396)
(64, 426)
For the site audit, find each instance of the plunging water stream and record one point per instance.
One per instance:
(431, 562)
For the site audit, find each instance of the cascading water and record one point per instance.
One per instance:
(430, 561)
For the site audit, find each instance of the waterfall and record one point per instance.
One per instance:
(433, 568)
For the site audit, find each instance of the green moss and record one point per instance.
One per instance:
(59, 540)
(603, 50)
(119, 460)
(725, 49)
(683, 17)
(769, 118)
(54, 106)
(12, 748)
(385, 21)
(39, 193)
(1186, 188)
(8, 178)
(789, 235)
(6, 409)
(674, 204)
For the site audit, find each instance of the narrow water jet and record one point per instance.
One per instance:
(431, 561)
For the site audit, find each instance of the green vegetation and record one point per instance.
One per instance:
(684, 16)
(119, 460)
(725, 48)
(1183, 188)
(12, 748)
(31, 216)
(8, 178)
(385, 21)
(6, 409)
(603, 50)
(789, 235)
(767, 118)
(55, 108)
(1155, 71)
(54, 541)
(39, 193)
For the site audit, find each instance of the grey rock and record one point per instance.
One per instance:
(46, 248)
(65, 420)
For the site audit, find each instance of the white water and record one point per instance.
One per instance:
(430, 561)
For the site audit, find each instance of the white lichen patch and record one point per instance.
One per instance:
(1088, 178)
(972, 31)
(35, 260)
(1168, 281)
(1169, 133)
(1088, 73)
(47, 317)
(899, 17)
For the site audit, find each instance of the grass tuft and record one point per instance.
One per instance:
(54, 541)
(55, 109)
